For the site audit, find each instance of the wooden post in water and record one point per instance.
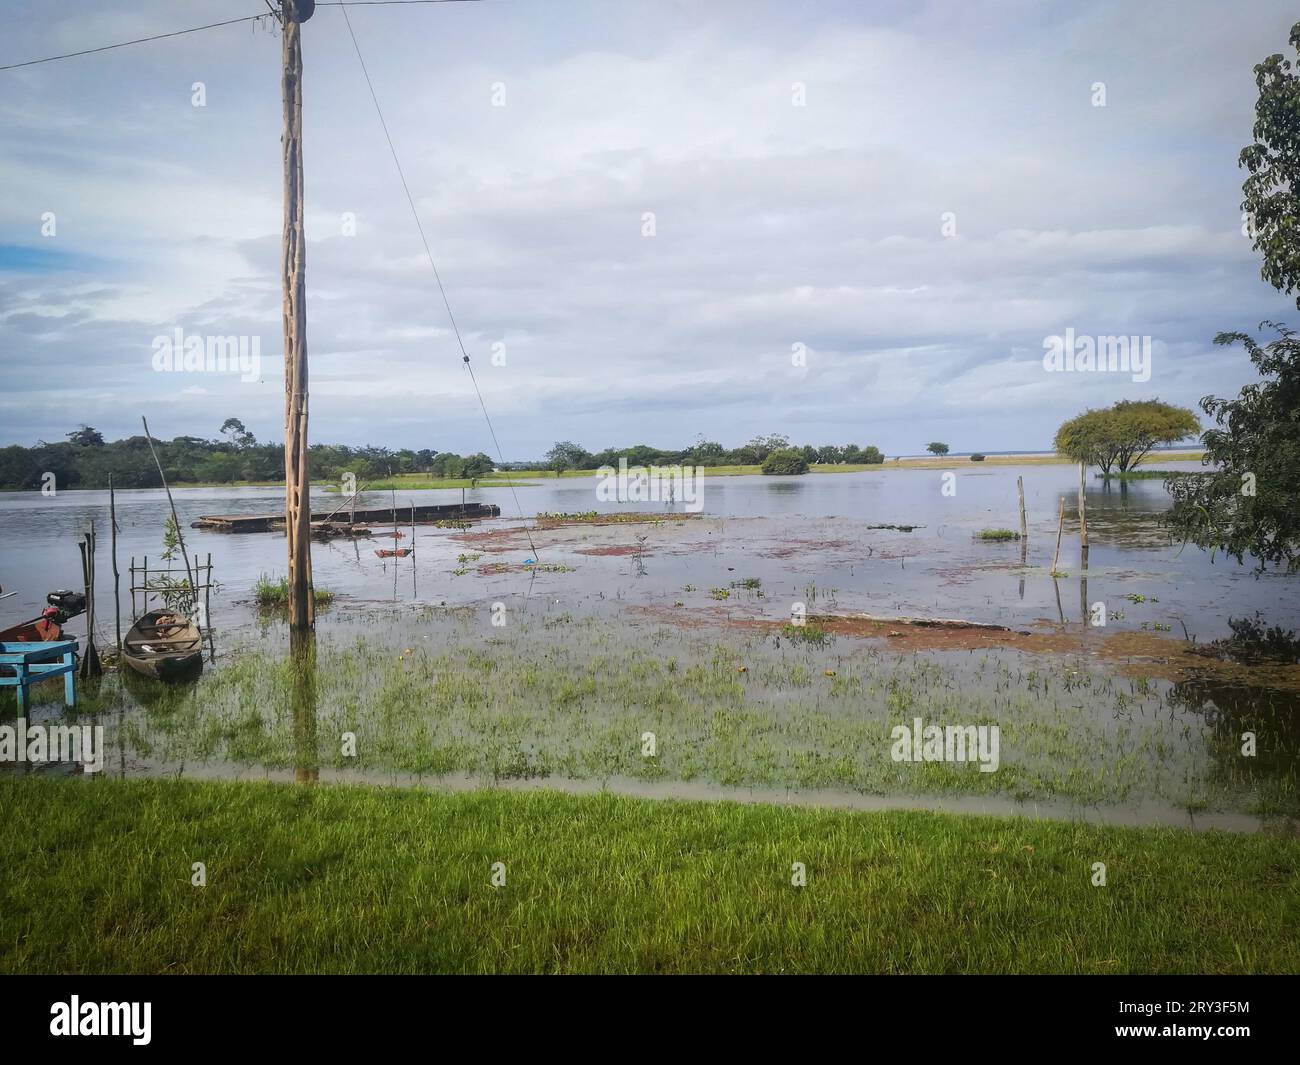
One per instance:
(1060, 526)
(297, 487)
(1083, 520)
(117, 603)
(207, 612)
(176, 522)
(90, 666)
(1024, 534)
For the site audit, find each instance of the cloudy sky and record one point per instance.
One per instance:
(799, 160)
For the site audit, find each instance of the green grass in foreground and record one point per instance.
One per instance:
(349, 879)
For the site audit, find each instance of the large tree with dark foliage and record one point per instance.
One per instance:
(1251, 503)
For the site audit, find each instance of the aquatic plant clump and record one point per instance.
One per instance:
(270, 594)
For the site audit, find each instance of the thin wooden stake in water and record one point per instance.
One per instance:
(112, 541)
(1060, 526)
(1083, 519)
(90, 666)
(1024, 524)
(180, 537)
(207, 612)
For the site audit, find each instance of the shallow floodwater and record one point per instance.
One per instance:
(520, 656)
(806, 539)
(441, 697)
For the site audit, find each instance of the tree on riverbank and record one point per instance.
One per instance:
(1251, 503)
(1120, 437)
(786, 461)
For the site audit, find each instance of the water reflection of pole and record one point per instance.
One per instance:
(302, 653)
(1060, 610)
(414, 588)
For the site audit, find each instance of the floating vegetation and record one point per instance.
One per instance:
(581, 515)
(719, 593)
(547, 520)
(997, 534)
(1144, 475)
(753, 584)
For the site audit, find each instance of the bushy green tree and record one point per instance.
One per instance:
(85, 436)
(784, 460)
(1251, 503)
(1271, 191)
(1122, 435)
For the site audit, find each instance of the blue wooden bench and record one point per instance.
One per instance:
(29, 662)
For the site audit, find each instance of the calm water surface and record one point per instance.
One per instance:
(805, 538)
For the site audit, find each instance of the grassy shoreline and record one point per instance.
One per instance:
(349, 879)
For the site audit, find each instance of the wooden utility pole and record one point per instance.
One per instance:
(297, 487)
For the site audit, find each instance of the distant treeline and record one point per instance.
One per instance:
(569, 456)
(86, 459)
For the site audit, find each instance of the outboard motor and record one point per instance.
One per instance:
(68, 604)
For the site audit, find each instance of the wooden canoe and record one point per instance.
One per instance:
(164, 644)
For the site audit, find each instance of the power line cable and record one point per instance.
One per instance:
(388, 3)
(429, 252)
(138, 40)
(228, 22)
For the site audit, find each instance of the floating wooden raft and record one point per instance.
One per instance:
(250, 523)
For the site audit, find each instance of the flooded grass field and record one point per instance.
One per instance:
(749, 651)
(440, 696)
